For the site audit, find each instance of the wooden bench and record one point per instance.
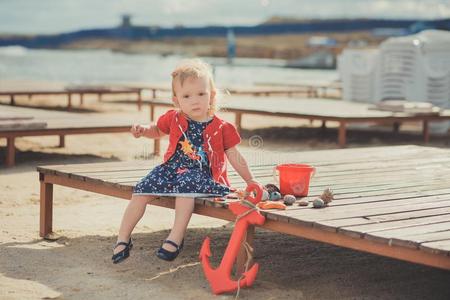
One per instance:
(70, 91)
(306, 90)
(316, 90)
(324, 110)
(310, 91)
(269, 90)
(56, 123)
(390, 201)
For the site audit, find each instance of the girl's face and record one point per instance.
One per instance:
(194, 97)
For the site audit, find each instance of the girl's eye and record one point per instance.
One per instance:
(201, 94)
(186, 96)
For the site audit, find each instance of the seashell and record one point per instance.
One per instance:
(327, 196)
(318, 203)
(274, 196)
(303, 203)
(265, 196)
(272, 188)
(289, 199)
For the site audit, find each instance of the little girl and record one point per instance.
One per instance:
(194, 164)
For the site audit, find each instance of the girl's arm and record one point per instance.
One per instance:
(149, 131)
(240, 165)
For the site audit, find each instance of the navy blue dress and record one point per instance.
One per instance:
(186, 173)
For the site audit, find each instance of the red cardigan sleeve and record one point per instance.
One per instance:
(165, 121)
(231, 136)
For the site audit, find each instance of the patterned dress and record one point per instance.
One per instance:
(186, 173)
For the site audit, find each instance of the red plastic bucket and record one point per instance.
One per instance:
(294, 178)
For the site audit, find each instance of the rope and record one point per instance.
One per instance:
(250, 205)
(248, 249)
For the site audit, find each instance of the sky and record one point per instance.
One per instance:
(55, 16)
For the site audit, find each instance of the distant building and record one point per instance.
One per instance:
(126, 21)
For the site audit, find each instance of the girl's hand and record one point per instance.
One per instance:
(250, 181)
(137, 130)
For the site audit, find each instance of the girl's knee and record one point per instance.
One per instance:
(185, 199)
(142, 199)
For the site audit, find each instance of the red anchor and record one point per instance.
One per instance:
(220, 278)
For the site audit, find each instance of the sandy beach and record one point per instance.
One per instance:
(78, 265)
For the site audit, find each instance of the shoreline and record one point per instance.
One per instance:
(286, 46)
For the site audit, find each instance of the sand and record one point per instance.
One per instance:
(78, 265)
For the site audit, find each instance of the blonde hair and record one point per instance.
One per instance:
(195, 68)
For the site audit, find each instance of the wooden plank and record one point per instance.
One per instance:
(355, 154)
(369, 204)
(438, 247)
(401, 232)
(361, 230)
(275, 215)
(335, 225)
(414, 240)
(310, 215)
(266, 172)
(396, 190)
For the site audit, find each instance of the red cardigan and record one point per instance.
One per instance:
(218, 136)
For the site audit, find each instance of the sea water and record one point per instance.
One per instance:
(105, 66)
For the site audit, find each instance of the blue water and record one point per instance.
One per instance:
(104, 66)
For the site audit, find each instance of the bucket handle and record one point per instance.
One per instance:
(276, 180)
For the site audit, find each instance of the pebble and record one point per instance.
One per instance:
(318, 203)
(275, 196)
(303, 203)
(289, 199)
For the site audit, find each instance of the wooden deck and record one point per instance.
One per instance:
(345, 113)
(21, 122)
(390, 201)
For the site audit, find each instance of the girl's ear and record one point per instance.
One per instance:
(212, 96)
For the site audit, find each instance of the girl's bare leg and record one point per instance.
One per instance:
(133, 213)
(183, 212)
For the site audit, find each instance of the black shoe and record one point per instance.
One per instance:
(122, 255)
(169, 255)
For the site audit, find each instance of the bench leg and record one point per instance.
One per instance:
(152, 112)
(242, 256)
(81, 99)
(46, 207)
(238, 121)
(62, 141)
(139, 101)
(13, 102)
(153, 93)
(10, 152)
(396, 127)
(324, 125)
(69, 101)
(426, 132)
(342, 136)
